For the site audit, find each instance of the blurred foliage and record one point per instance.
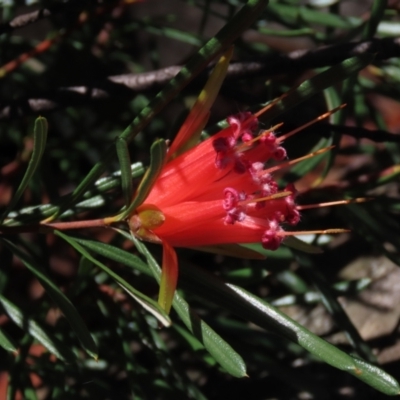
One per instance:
(77, 319)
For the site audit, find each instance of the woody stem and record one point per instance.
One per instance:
(49, 227)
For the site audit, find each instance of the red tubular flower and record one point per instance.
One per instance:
(217, 193)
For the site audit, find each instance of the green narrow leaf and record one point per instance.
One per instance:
(29, 391)
(222, 352)
(293, 14)
(374, 229)
(331, 303)
(182, 36)
(125, 166)
(288, 33)
(114, 179)
(306, 90)
(281, 253)
(296, 243)
(39, 144)
(28, 324)
(149, 304)
(389, 175)
(333, 100)
(115, 254)
(253, 309)
(158, 152)
(295, 283)
(346, 288)
(376, 377)
(6, 342)
(376, 15)
(65, 305)
(246, 276)
(303, 168)
(80, 283)
(318, 83)
(195, 344)
(37, 213)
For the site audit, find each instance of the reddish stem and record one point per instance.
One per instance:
(49, 227)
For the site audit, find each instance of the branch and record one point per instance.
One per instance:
(26, 19)
(376, 135)
(118, 85)
(50, 227)
(298, 61)
(35, 16)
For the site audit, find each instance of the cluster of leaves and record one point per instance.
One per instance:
(87, 79)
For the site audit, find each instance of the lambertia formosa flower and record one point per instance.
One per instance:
(218, 192)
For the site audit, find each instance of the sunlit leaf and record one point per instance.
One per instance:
(28, 324)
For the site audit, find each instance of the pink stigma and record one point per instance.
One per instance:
(271, 239)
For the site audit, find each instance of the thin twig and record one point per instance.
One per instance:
(50, 227)
(118, 85)
(376, 135)
(27, 19)
(30, 18)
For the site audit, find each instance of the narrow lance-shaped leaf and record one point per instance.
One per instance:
(222, 352)
(65, 305)
(125, 166)
(377, 13)
(388, 175)
(93, 198)
(6, 342)
(116, 254)
(29, 391)
(158, 152)
(149, 304)
(292, 14)
(39, 144)
(28, 324)
(333, 100)
(367, 223)
(301, 169)
(253, 309)
(245, 304)
(335, 308)
(296, 243)
(345, 288)
(376, 377)
(316, 84)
